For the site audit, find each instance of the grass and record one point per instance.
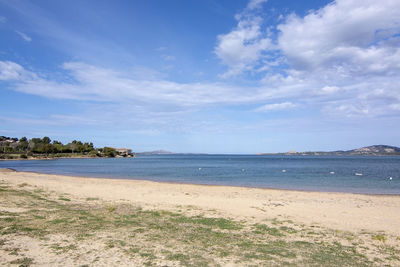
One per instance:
(111, 208)
(379, 237)
(64, 199)
(265, 229)
(220, 223)
(155, 235)
(60, 249)
(92, 198)
(22, 262)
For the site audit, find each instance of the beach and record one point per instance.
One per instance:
(373, 219)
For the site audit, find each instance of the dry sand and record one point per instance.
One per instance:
(349, 212)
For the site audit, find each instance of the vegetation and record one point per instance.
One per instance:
(83, 229)
(14, 148)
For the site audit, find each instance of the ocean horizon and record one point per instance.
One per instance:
(346, 174)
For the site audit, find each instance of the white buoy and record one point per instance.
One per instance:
(358, 174)
(332, 172)
(199, 169)
(390, 178)
(283, 170)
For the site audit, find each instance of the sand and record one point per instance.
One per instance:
(341, 211)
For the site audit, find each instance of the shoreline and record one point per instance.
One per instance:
(344, 211)
(53, 158)
(206, 185)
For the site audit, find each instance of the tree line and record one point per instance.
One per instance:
(46, 147)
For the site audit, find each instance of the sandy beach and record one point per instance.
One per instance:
(354, 213)
(342, 211)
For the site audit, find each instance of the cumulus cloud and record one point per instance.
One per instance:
(333, 57)
(24, 36)
(243, 47)
(276, 106)
(349, 44)
(354, 37)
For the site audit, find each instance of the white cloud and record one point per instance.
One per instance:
(328, 90)
(24, 36)
(89, 82)
(395, 106)
(275, 107)
(353, 37)
(253, 4)
(352, 44)
(242, 48)
(351, 110)
(11, 71)
(334, 57)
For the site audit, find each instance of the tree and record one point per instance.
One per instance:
(109, 152)
(32, 143)
(46, 140)
(23, 144)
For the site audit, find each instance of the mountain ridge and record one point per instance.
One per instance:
(373, 150)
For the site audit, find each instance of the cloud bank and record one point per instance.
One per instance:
(344, 56)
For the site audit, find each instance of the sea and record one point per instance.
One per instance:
(350, 174)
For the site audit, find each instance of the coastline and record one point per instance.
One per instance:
(376, 179)
(51, 158)
(201, 184)
(344, 211)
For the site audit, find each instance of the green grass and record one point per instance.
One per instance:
(221, 223)
(22, 262)
(64, 199)
(92, 198)
(265, 229)
(111, 208)
(379, 237)
(288, 230)
(60, 249)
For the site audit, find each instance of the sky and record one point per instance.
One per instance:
(209, 76)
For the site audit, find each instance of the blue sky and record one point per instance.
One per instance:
(202, 76)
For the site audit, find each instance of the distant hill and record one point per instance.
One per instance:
(375, 150)
(156, 152)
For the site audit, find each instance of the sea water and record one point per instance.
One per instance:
(353, 174)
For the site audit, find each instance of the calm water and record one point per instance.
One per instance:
(322, 173)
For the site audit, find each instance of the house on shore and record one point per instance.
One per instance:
(125, 152)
